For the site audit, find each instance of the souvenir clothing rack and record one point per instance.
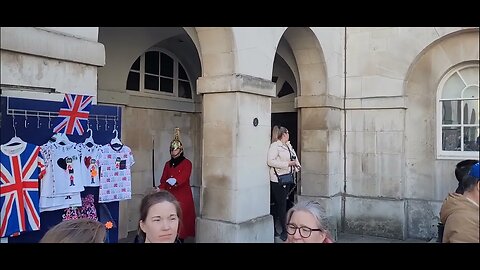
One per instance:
(33, 121)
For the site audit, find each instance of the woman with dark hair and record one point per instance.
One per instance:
(160, 218)
(459, 212)
(461, 169)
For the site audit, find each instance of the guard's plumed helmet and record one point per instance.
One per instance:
(176, 143)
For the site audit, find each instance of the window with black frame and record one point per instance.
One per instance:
(158, 71)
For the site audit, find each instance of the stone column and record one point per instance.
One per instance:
(321, 154)
(235, 192)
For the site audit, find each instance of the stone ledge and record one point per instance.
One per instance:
(319, 101)
(35, 41)
(235, 83)
(368, 103)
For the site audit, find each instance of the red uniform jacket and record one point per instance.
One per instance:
(183, 192)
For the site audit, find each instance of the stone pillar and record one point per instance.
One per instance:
(321, 153)
(235, 192)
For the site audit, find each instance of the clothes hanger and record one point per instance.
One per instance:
(89, 142)
(62, 139)
(15, 140)
(54, 137)
(115, 142)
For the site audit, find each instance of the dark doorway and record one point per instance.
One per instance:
(288, 120)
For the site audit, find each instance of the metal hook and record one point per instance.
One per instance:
(49, 120)
(115, 124)
(88, 127)
(38, 120)
(25, 118)
(106, 123)
(97, 122)
(13, 124)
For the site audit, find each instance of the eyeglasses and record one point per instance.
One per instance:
(305, 231)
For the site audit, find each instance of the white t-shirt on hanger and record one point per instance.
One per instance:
(50, 198)
(115, 178)
(67, 169)
(90, 164)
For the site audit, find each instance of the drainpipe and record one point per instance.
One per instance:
(342, 217)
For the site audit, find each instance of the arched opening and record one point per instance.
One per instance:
(437, 86)
(284, 112)
(300, 74)
(152, 73)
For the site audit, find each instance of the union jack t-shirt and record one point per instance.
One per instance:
(22, 166)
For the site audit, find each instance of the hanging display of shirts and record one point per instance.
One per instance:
(22, 167)
(70, 167)
(115, 176)
(66, 170)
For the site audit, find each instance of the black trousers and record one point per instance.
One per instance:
(279, 195)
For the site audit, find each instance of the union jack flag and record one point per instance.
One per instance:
(75, 110)
(19, 195)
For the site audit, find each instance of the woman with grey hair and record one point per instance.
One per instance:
(306, 223)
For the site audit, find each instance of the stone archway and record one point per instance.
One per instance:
(320, 117)
(216, 50)
(149, 117)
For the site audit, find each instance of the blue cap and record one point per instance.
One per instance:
(475, 170)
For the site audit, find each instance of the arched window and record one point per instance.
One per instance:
(458, 113)
(158, 71)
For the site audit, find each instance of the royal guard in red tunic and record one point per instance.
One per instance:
(176, 179)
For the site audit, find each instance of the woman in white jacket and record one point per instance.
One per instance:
(282, 159)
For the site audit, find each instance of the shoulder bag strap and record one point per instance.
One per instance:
(291, 169)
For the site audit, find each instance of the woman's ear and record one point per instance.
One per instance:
(141, 225)
(324, 235)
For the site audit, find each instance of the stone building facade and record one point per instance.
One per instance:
(380, 115)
